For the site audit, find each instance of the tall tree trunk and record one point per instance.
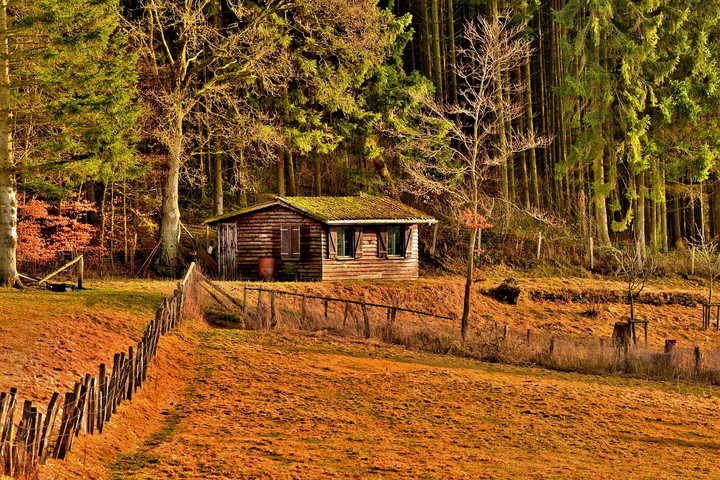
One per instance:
(290, 170)
(8, 201)
(534, 192)
(640, 213)
(384, 172)
(425, 40)
(468, 284)
(676, 221)
(240, 181)
(437, 57)
(600, 201)
(317, 182)
(218, 194)
(170, 223)
(92, 217)
(452, 86)
(280, 164)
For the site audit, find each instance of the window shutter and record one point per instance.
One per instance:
(408, 241)
(358, 243)
(382, 242)
(285, 242)
(332, 242)
(295, 237)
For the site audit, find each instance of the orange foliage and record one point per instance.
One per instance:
(43, 231)
(474, 220)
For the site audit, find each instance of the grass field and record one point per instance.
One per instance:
(238, 404)
(267, 406)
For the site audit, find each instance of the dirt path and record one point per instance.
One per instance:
(268, 406)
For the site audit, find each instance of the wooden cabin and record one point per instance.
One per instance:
(321, 238)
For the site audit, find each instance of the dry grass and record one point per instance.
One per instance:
(269, 405)
(549, 347)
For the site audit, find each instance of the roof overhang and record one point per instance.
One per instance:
(381, 221)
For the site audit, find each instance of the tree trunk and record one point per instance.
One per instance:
(241, 190)
(218, 194)
(529, 125)
(600, 200)
(384, 172)
(425, 40)
(281, 173)
(468, 284)
(317, 183)
(640, 213)
(290, 164)
(437, 58)
(8, 201)
(452, 86)
(676, 223)
(170, 223)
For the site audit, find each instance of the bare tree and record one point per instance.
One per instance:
(187, 59)
(635, 272)
(708, 262)
(477, 135)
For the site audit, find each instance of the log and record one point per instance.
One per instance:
(366, 319)
(48, 277)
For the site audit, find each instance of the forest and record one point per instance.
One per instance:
(579, 119)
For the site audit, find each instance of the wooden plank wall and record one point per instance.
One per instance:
(370, 266)
(258, 236)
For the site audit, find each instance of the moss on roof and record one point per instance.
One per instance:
(361, 207)
(335, 209)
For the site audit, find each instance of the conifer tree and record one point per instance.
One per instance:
(66, 98)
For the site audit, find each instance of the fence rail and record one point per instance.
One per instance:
(90, 405)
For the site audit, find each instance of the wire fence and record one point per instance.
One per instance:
(93, 401)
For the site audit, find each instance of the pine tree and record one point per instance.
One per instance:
(66, 98)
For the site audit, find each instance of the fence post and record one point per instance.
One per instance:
(325, 304)
(552, 345)
(505, 332)
(698, 357)
(367, 320)
(245, 300)
(303, 317)
(48, 426)
(528, 337)
(347, 308)
(81, 272)
(101, 398)
(273, 317)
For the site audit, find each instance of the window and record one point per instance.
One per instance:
(396, 241)
(345, 242)
(290, 242)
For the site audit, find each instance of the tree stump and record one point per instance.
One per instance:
(621, 335)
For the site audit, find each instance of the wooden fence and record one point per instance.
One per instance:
(92, 402)
(391, 310)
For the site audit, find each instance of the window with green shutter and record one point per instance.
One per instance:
(396, 241)
(345, 242)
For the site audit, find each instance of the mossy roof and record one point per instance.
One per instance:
(357, 209)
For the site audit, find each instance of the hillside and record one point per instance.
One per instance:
(236, 403)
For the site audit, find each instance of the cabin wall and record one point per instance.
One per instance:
(258, 236)
(370, 266)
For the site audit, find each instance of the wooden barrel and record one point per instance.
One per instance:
(266, 269)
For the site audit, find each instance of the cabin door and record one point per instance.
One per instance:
(227, 246)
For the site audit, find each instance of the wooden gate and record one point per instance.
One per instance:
(227, 246)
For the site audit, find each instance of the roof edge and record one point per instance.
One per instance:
(382, 221)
